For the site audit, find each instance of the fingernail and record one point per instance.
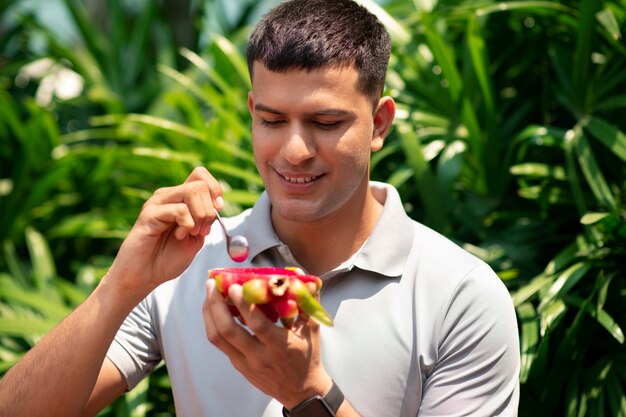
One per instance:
(219, 202)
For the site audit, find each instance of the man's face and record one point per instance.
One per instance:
(312, 134)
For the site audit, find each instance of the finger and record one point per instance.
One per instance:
(221, 328)
(202, 174)
(255, 319)
(157, 218)
(304, 323)
(196, 195)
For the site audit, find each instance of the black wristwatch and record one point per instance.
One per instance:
(318, 406)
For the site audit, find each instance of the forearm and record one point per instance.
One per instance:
(56, 377)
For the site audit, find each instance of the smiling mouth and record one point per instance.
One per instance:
(299, 180)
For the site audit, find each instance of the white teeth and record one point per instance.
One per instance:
(299, 180)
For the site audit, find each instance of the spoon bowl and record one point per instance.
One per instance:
(237, 246)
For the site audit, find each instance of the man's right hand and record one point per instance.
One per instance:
(166, 236)
(168, 233)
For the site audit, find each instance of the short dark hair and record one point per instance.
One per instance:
(311, 34)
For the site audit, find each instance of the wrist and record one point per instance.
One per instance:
(319, 383)
(318, 406)
(112, 291)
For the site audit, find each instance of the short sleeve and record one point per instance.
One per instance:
(135, 351)
(478, 360)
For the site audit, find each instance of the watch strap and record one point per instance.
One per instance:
(333, 399)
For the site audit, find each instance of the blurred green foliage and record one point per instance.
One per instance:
(509, 139)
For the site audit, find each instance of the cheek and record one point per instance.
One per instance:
(261, 146)
(259, 152)
(356, 148)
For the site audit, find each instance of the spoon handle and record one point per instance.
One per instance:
(219, 219)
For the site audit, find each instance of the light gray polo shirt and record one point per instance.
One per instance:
(421, 326)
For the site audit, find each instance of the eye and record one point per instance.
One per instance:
(328, 125)
(271, 123)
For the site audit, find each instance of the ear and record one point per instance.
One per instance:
(383, 118)
(251, 102)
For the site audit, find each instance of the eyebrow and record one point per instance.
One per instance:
(266, 109)
(323, 112)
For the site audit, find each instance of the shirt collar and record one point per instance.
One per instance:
(388, 246)
(384, 252)
(259, 229)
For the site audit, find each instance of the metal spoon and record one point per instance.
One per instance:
(237, 246)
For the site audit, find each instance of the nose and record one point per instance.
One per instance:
(298, 147)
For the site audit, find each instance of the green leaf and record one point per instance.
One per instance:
(93, 38)
(210, 72)
(71, 292)
(529, 340)
(586, 35)
(539, 170)
(25, 326)
(507, 6)
(18, 272)
(90, 224)
(137, 42)
(184, 80)
(168, 154)
(573, 172)
(234, 57)
(563, 282)
(397, 32)
(616, 102)
(241, 197)
(444, 55)
(426, 182)
(136, 400)
(592, 171)
(550, 314)
(43, 264)
(600, 315)
(450, 164)
(572, 393)
(608, 135)
(235, 172)
(477, 49)
(400, 176)
(387, 150)
(616, 395)
(609, 23)
(592, 218)
(537, 284)
(50, 307)
(426, 118)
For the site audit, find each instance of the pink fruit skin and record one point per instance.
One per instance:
(284, 306)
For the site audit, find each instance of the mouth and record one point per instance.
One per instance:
(299, 180)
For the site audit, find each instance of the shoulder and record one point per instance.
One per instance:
(436, 258)
(466, 330)
(449, 282)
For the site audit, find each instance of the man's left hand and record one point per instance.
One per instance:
(283, 363)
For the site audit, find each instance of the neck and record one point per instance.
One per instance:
(322, 245)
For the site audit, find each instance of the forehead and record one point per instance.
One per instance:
(338, 84)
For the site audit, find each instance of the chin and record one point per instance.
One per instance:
(298, 213)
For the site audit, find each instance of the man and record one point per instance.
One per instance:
(421, 327)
